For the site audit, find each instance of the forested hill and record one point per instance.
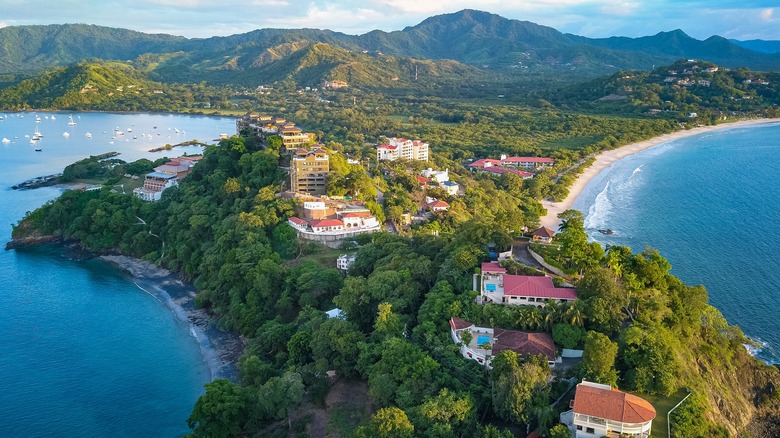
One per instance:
(473, 37)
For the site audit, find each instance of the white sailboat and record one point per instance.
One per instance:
(88, 134)
(66, 134)
(5, 140)
(71, 122)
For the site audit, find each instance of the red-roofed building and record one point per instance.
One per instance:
(496, 286)
(438, 206)
(397, 148)
(423, 181)
(484, 342)
(298, 223)
(543, 234)
(326, 225)
(600, 410)
(511, 164)
(528, 162)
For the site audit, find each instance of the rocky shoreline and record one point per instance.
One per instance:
(221, 350)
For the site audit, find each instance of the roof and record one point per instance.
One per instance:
(422, 180)
(357, 214)
(161, 175)
(529, 160)
(327, 223)
(536, 286)
(297, 220)
(492, 267)
(439, 204)
(459, 324)
(502, 170)
(482, 161)
(387, 146)
(611, 404)
(172, 168)
(523, 343)
(543, 232)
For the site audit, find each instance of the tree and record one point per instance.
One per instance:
(446, 414)
(280, 395)
(220, 412)
(567, 335)
(559, 431)
(598, 359)
(387, 423)
(387, 323)
(514, 385)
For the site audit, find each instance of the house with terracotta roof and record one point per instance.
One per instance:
(496, 286)
(484, 343)
(343, 224)
(600, 410)
(511, 165)
(438, 206)
(543, 234)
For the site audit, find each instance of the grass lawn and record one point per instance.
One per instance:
(322, 255)
(572, 143)
(662, 406)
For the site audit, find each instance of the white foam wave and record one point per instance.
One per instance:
(598, 213)
(637, 170)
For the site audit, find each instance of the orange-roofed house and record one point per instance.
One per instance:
(438, 206)
(543, 234)
(600, 410)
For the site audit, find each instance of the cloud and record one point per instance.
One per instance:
(767, 14)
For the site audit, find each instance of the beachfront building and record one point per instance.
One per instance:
(482, 343)
(496, 286)
(543, 235)
(402, 148)
(520, 166)
(600, 410)
(309, 171)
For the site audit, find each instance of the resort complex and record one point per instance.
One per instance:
(496, 286)
(165, 176)
(482, 344)
(402, 148)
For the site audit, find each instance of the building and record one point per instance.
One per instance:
(165, 176)
(485, 343)
(543, 234)
(309, 172)
(438, 206)
(345, 261)
(600, 410)
(293, 137)
(344, 223)
(511, 164)
(402, 148)
(496, 286)
(437, 176)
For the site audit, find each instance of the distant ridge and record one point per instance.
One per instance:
(481, 39)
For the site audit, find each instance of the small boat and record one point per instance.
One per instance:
(37, 119)
(71, 122)
(53, 118)
(66, 134)
(38, 149)
(88, 134)
(607, 231)
(129, 129)
(5, 140)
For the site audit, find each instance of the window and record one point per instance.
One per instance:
(579, 427)
(589, 430)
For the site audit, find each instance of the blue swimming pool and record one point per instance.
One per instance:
(481, 339)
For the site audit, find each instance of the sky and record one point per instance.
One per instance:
(739, 19)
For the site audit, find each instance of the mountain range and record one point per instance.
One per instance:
(460, 43)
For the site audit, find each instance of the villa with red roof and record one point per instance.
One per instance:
(345, 223)
(543, 234)
(438, 206)
(485, 343)
(496, 286)
(600, 410)
(511, 165)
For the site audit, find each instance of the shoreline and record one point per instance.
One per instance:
(607, 158)
(220, 350)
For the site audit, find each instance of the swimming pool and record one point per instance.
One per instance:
(482, 339)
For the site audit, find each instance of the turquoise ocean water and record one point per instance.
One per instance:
(711, 204)
(84, 351)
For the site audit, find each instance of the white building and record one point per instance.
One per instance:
(600, 410)
(497, 286)
(402, 148)
(437, 176)
(485, 342)
(345, 261)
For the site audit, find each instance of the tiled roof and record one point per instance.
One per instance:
(492, 267)
(536, 286)
(523, 343)
(422, 180)
(543, 232)
(356, 214)
(501, 170)
(528, 160)
(459, 324)
(327, 223)
(612, 405)
(482, 161)
(297, 220)
(439, 204)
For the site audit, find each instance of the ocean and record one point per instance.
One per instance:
(86, 352)
(709, 203)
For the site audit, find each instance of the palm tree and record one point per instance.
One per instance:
(575, 313)
(552, 312)
(534, 318)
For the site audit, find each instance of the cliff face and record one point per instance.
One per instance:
(25, 234)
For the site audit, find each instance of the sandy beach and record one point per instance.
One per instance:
(607, 158)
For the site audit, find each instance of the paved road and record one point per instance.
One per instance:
(521, 254)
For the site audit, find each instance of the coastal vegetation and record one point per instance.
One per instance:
(224, 230)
